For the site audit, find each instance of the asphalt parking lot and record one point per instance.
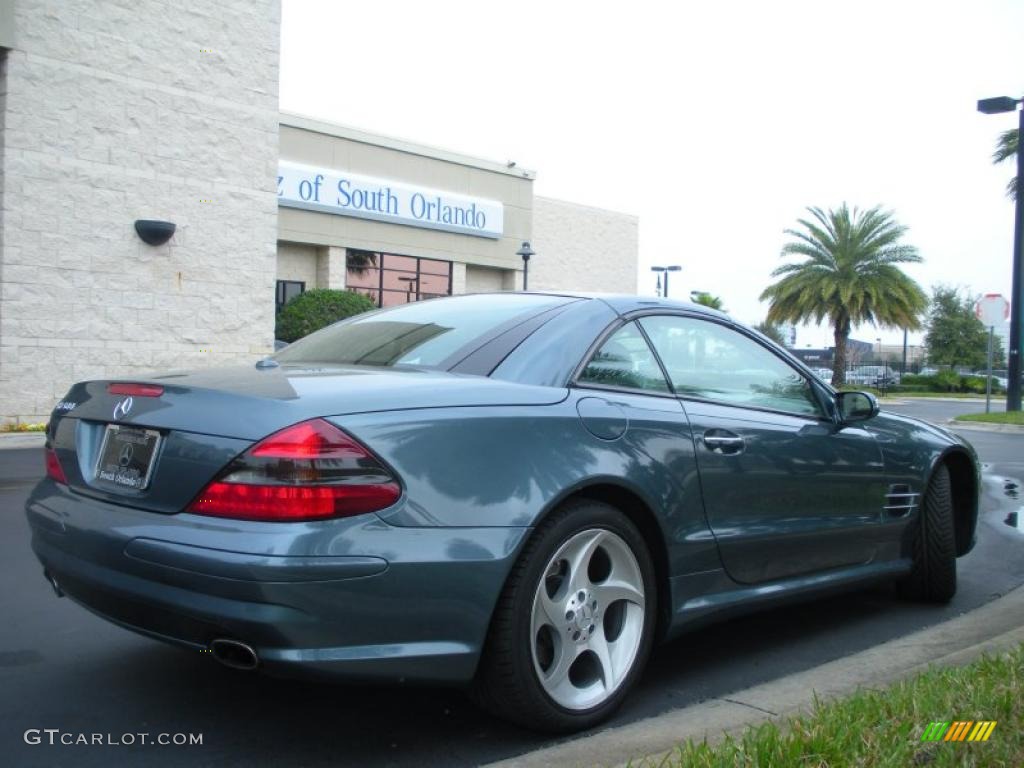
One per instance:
(61, 667)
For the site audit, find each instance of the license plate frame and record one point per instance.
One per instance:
(123, 471)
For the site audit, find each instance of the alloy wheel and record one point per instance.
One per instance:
(587, 620)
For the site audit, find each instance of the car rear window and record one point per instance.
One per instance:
(422, 334)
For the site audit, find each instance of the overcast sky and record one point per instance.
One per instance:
(716, 123)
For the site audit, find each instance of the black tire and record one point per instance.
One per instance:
(933, 547)
(507, 682)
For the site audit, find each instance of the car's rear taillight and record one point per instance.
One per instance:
(309, 471)
(53, 468)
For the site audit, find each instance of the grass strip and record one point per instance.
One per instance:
(885, 727)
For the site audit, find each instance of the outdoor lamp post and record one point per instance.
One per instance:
(410, 283)
(664, 271)
(992, 107)
(660, 271)
(526, 252)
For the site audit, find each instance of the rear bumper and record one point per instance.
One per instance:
(354, 598)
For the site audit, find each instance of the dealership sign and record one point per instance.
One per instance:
(366, 197)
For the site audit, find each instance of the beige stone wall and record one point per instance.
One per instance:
(298, 262)
(485, 279)
(122, 110)
(580, 248)
(331, 268)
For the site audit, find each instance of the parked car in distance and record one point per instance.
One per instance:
(879, 376)
(825, 374)
(519, 493)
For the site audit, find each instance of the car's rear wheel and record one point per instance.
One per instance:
(573, 627)
(933, 577)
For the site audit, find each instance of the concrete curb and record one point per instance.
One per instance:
(980, 426)
(22, 440)
(904, 400)
(994, 627)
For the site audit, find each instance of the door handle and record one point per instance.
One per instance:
(721, 441)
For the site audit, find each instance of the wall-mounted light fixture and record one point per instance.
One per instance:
(154, 232)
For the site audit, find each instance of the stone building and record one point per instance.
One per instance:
(107, 119)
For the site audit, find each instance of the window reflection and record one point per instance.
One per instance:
(625, 360)
(713, 362)
(415, 334)
(390, 279)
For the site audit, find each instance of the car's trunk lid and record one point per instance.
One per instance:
(201, 420)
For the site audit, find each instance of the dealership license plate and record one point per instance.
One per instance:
(126, 456)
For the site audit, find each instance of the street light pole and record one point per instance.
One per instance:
(663, 271)
(1013, 386)
(1016, 300)
(673, 268)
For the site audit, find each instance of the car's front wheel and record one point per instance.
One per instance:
(574, 625)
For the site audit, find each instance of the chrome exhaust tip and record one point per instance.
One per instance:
(53, 583)
(234, 654)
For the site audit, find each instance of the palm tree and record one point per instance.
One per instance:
(772, 331)
(849, 274)
(1006, 148)
(707, 300)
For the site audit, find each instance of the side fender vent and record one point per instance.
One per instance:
(901, 501)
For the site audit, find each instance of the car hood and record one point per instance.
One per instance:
(250, 403)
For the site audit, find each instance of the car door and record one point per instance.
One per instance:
(625, 399)
(786, 490)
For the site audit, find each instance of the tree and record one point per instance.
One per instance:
(955, 336)
(849, 274)
(772, 331)
(316, 309)
(707, 300)
(1006, 148)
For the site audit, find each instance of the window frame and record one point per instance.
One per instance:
(826, 404)
(608, 332)
(281, 287)
(379, 288)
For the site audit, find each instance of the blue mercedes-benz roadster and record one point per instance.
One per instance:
(517, 492)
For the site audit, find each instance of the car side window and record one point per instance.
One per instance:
(625, 360)
(711, 361)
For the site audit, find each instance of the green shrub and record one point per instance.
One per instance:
(976, 384)
(316, 309)
(947, 381)
(972, 384)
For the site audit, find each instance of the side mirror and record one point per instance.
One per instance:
(856, 406)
